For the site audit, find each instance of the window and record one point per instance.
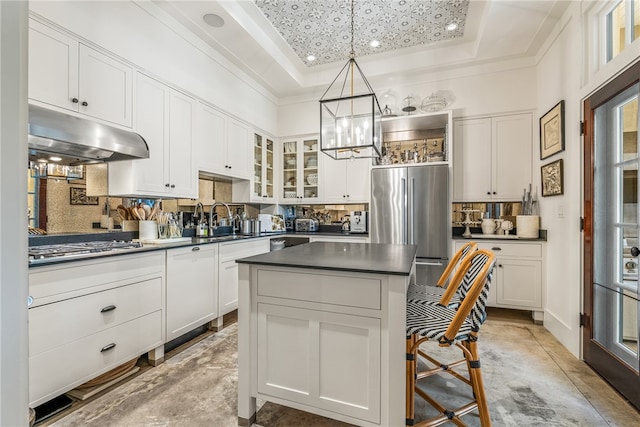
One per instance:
(622, 27)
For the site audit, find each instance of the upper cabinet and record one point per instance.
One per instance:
(68, 74)
(492, 158)
(345, 181)
(165, 119)
(300, 168)
(222, 144)
(260, 188)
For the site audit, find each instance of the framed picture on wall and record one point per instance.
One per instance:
(552, 131)
(552, 179)
(78, 196)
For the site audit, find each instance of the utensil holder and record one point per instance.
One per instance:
(148, 230)
(527, 226)
(129, 225)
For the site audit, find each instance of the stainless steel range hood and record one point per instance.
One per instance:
(80, 141)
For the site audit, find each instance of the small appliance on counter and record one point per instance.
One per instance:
(306, 224)
(358, 221)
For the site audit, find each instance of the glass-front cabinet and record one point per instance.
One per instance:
(262, 167)
(300, 170)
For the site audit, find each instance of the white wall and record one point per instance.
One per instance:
(14, 384)
(140, 33)
(477, 91)
(558, 78)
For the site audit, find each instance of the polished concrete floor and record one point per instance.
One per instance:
(530, 379)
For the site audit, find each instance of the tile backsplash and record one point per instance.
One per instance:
(506, 210)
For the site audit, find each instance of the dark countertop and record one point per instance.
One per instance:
(479, 237)
(354, 257)
(148, 247)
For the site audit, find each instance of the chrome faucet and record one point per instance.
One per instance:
(200, 226)
(212, 225)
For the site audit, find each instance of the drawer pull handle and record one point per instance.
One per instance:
(108, 347)
(496, 249)
(195, 248)
(108, 308)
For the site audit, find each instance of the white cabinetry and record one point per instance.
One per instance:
(68, 74)
(260, 187)
(300, 170)
(88, 317)
(518, 276)
(492, 157)
(192, 288)
(346, 181)
(228, 270)
(222, 144)
(165, 119)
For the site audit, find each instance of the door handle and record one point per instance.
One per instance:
(404, 216)
(411, 209)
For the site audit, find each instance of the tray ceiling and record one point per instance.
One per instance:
(270, 40)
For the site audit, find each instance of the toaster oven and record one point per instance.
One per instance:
(306, 224)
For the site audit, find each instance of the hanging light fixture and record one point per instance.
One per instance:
(349, 123)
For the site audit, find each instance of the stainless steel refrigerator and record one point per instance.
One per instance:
(410, 205)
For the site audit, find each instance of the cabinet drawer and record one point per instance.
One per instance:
(57, 324)
(236, 250)
(52, 283)
(54, 372)
(532, 250)
(326, 288)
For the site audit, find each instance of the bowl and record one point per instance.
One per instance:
(291, 162)
(312, 179)
(312, 162)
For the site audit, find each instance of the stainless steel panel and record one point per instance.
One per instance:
(388, 206)
(428, 271)
(428, 203)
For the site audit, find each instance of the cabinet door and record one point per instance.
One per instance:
(238, 150)
(228, 283)
(210, 139)
(182, 176)
(334, 177)
(152, 111)
(290, 164)
(519, 283)
(53, 67)
(512, 147)
(268, 166)
(472, 160)
(105, 87)
(298, 359)
(358, 180)
(308, 170)
(191, 288)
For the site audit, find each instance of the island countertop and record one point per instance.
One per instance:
(353, 257)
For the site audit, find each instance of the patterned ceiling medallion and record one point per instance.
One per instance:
(400, 24)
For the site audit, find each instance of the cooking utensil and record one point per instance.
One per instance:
(142, 214)
(133, 212)
(122, 211)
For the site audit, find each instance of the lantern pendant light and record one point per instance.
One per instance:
(350, 123)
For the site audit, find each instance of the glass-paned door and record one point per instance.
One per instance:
(290, 170)
(257, 165)
(612, 238)
(268, 185)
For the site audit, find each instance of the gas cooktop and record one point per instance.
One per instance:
(63, 251)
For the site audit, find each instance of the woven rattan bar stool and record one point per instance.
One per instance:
(450, 327)
(435, 293)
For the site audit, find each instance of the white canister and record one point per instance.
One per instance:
(527, 226)
(148, 230)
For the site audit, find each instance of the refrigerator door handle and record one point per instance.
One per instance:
(412, 198)
(404, 217)
(439, 263)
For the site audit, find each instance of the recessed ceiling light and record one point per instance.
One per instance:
(42, 160)
(374, 43)
(213, 20)
(55, 158)
(452, 26)
(311, 58)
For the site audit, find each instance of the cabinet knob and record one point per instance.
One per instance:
(107, 347)
(108, 308)
(173, 186)
(167, 185)
(635, 251)
(489, 193)
(74, 100)
(495, 192)
(500, 265)
(85, 103)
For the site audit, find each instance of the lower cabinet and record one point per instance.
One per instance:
(88, 317)
(298, 361)
(192, 288)
(228, 270)
(518, 277)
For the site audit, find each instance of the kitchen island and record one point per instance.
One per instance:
(321, 328)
